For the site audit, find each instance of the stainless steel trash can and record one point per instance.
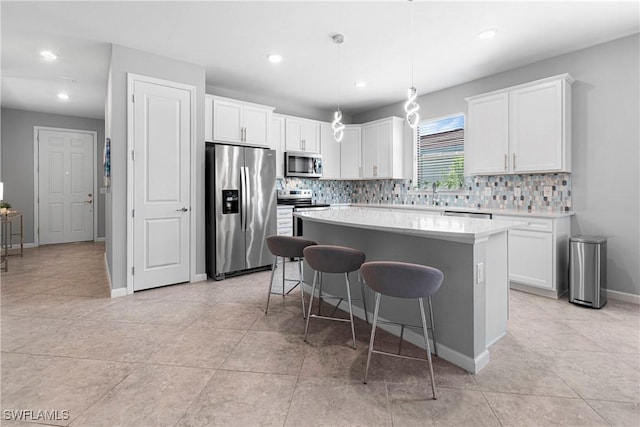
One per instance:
(588, 271)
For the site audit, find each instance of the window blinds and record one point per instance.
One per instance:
(438, 154)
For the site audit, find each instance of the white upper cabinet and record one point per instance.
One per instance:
(330, 150)
(277, 142)
(382, 148)
(302, 135)
(523, 129)
(350, 153)
(228, 120)
(487, 140)
(340, 160)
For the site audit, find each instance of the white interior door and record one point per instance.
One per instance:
(161, 195)
(65, 186)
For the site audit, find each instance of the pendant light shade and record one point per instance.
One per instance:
(336, 125)
(411, 107)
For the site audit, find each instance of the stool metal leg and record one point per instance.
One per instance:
(284, 261)
(373, 335)
(426, 342)
(313, 288)
(433, 326)
(364, 300)
(300, 283)
(353, 331)
(319, 294)
(273, 270)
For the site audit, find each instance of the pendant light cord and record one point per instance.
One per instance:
(413, 46)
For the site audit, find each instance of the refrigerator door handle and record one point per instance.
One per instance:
(247, 203)
(243, 199)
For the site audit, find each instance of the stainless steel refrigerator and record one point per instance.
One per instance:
(240, 204)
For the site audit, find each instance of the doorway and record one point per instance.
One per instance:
(64, 185)
(160, 136)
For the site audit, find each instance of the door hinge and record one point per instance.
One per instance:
(133, 98)
(133, 271)
(133, 213)
(133, 155)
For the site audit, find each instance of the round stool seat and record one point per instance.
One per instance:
(333, 259)
(401, 279)
(288, 246)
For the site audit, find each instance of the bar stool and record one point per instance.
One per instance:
(287, 247)
(403, 280)
(334, 259)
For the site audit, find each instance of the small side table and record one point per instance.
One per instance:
(7, 219)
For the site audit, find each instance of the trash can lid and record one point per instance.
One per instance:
(588, 239)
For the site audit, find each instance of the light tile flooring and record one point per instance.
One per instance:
(205, 354)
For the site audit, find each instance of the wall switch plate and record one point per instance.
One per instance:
(517, 191)
(480, 272)
(547, 191)
(487, 191)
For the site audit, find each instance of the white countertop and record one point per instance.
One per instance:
(440, 209)
(466, 230)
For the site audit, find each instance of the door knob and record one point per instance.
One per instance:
(182, 210)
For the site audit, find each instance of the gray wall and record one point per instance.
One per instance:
(17, 159)
(123, 61)
(605, 154)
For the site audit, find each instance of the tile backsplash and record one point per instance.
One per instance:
(525, 192)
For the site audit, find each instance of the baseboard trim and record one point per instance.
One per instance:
(534, 290)
(199, 277)
(119, 292)
(623, 296)
(416, 338)
(99, 239)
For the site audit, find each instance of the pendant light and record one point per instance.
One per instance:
(411, 107)
(336, 125)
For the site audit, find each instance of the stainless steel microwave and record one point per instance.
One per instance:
(305, 165)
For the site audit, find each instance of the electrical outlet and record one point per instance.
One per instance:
(547, 191)
(517, 191)
(480, 272)
(487, 191)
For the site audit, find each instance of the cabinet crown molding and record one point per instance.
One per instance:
(565, 76)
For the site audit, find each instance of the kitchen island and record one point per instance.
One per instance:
(471, 307)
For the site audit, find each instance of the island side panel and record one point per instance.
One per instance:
(453, 304)
(497, 287)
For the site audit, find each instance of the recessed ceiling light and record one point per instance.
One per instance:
(274, 57)
(487, 34)
(63, 96)
(360, 85)
(48, 55)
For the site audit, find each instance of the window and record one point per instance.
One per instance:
(440, 153)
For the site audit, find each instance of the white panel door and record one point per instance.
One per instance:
(350, 154)
(369, 151)
(65, 186)
(257, 125)
(162, 134)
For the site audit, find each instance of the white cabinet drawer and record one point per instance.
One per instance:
(285, 222)
(285, 212)
(285, 231)
(531, 224)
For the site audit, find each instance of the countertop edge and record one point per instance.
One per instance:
(493, 211)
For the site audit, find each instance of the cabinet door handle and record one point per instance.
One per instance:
(514, 161)
(505, 162)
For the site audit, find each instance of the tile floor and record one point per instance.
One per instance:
(205, 354)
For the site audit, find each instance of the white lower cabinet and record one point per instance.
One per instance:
(538, 254)
(285, 220)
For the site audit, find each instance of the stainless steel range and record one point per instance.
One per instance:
(302, 201)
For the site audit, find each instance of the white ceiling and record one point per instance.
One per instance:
(232, 39)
